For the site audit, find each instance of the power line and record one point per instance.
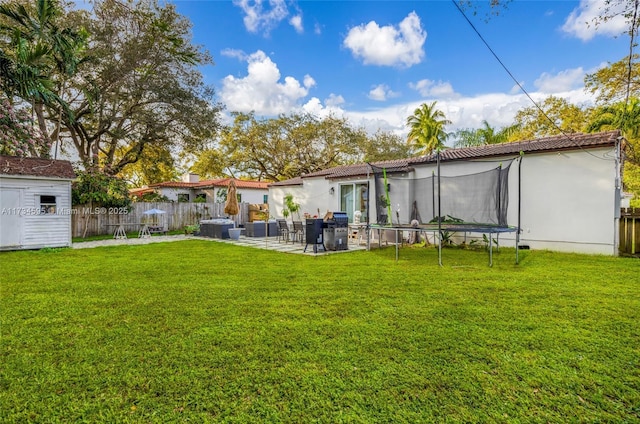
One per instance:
(516, 81)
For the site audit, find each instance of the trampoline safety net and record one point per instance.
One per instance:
(481, 198)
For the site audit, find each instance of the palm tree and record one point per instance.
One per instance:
(38, 53)
(483, 136)
(625, 117)
(426, 129)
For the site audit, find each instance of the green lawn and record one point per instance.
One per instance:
(198, 331)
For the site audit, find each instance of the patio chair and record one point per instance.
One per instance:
(283, 230)
(298, 231)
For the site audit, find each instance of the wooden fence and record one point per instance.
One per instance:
(91, 221)
(630, 231)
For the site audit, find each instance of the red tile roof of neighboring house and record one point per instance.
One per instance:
(36, 167)
(224, 182)
(547, 144)
(220, 182)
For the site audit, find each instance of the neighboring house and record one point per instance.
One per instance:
(564, 190)
(211, 191)
(35, 203)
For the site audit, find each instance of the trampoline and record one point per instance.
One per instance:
(470, 203)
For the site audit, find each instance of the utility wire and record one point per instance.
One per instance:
(516, 81)
(632, 33)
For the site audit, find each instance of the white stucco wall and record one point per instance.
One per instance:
(35, 230)
(568, 199)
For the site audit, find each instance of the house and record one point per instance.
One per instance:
(35, 202)
(563, 192)
(192, 189)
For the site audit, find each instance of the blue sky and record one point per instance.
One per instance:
(374, 62)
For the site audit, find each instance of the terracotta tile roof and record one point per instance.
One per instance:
(172, 184)
(36, 167)
(547, 144)
(346, 171)
(220, 182)
(224, 182)
(289, 182)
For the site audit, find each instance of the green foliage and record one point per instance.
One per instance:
(427, 129)
(151, 197)
(39, 54)
(554, 116)
(97, 188)
(290, 206)
(483, 136)
(610, 83)
(18, 135)
(632, 183)
(146, 333)
(221, 195)
(192, 229)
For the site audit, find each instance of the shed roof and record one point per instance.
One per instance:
(547, 144)
(36, 167)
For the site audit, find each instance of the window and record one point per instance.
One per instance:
(265, 198)
(354, 197)
(201, 198)
(183, 197)
(239, 197)
(47, 204)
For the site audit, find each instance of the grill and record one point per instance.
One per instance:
(336, 233)
(313, 233)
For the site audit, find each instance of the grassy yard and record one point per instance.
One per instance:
(201, 331)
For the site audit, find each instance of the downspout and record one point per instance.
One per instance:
(519, 230)
(617, 197)
(439, 212)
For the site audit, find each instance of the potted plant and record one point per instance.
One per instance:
(290, 207)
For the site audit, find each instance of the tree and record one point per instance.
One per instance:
(610, 83)
(287, 146)
(18, 136)
(483, 136)
(142, 88)
(37, 56)
(627, 118)
(155, 166)
(426, 129)
(383, 146)
(554, 116)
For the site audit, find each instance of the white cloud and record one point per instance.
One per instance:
(498, 109)
(309, 81)
(381, 93)
(317, 29)
(429, 88)
(562, 81)
(334, 100)
(581, 21)
(261, 15)
(296, 23)
(234, 53)
(388, 45)
(261, 90)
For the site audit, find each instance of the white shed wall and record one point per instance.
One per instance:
(40, 230)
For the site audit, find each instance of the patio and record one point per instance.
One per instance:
(268, 243)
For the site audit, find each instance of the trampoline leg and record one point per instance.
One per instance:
(397, 244)
(490, 251)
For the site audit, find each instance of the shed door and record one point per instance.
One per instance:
(10, 219)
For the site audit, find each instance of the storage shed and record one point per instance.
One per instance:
(35, 203)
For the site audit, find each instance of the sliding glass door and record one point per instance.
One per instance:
(354, 197)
